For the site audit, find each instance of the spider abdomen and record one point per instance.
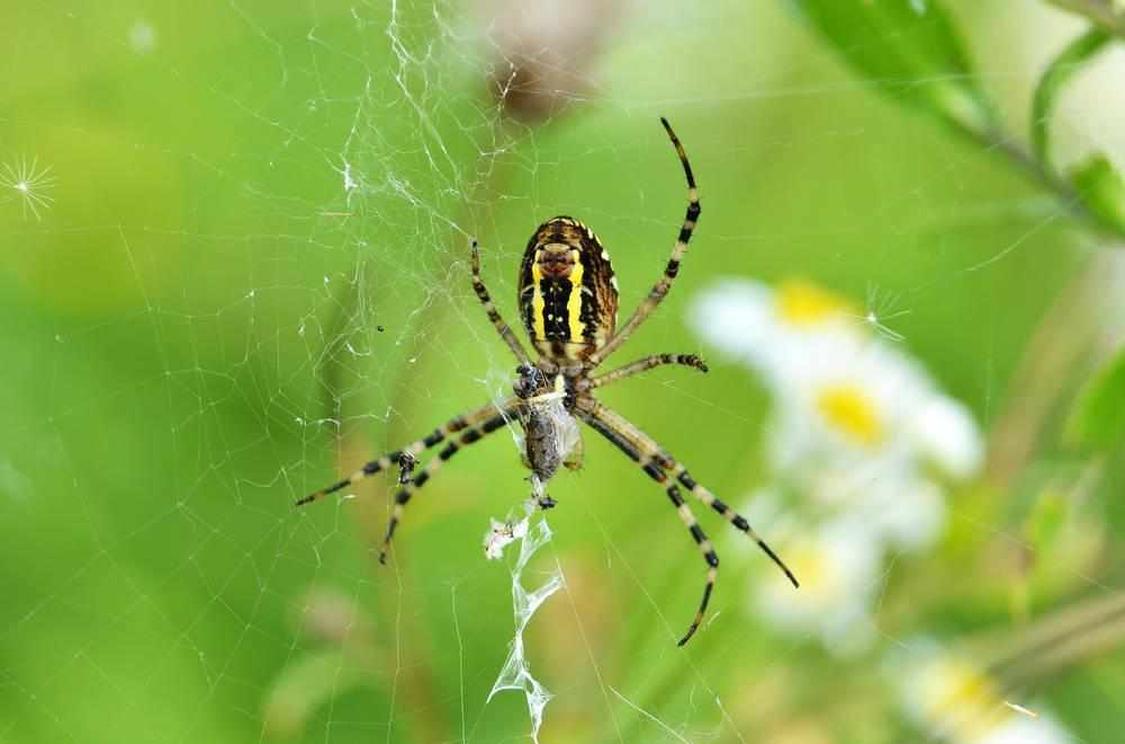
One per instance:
(551, 435)
(567, 290)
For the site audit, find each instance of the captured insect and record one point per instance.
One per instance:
(568, 304)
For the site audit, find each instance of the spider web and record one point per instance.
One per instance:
(252, 272)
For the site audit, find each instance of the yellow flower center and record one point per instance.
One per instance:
(849, 410)
(803, 303)
(819, 577)
(961, 700)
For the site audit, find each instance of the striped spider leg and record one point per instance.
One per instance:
(458, 432)
(644, 365)
(667, 471)
(498, 321)
(495, 418)
(659, 290)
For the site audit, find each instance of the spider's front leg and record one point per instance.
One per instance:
(456, 433)
(663, 285)
(407, 457)
(498, 322)
(482, 427)
(644, 365)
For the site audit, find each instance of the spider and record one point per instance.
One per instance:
(567, 298)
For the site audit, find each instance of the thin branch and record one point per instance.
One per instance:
(1064, 191)
(1067, 64)
(1108, 14)
(1064, 639)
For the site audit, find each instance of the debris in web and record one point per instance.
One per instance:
(28, 183)
(516, 673)
(501, 534)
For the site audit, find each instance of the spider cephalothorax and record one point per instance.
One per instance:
(568, 304)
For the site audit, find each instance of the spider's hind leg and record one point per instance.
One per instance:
(670, 474)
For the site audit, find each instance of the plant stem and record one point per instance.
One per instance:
(1063, 190)
(1066, 638)
(1108, 14)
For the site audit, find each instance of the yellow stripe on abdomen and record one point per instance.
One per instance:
(574, 302)
(538, 304)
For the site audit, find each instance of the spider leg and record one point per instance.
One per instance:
(471, 435)
(660, 289)
(633, 451)
(498, 322)
(406, 457)
(662, 467)
(644, 365)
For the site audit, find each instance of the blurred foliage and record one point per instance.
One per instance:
(1053, 81)
(910, 50)
(1098, 419)
(1100, 186)
(208, 321)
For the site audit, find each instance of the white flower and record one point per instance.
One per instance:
(844, 399)
(950, 697)
(838, 566)
(858, 427)
(860, 437)
(757, 325)
(841, 391)
(1019, 728)
(953, 699)
(945, 434)
(852, 433)
(900, 509)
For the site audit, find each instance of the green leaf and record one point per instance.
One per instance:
(1058, 73)
(1098, 418)
(1102, 190)
(910, 50)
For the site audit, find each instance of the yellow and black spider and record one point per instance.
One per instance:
(568, 303)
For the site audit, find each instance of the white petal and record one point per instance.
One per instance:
(734, 316)
(838, 566)
(946, 435)
(908, 513)
(1021, 728)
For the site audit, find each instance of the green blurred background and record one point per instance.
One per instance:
(211, 318)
